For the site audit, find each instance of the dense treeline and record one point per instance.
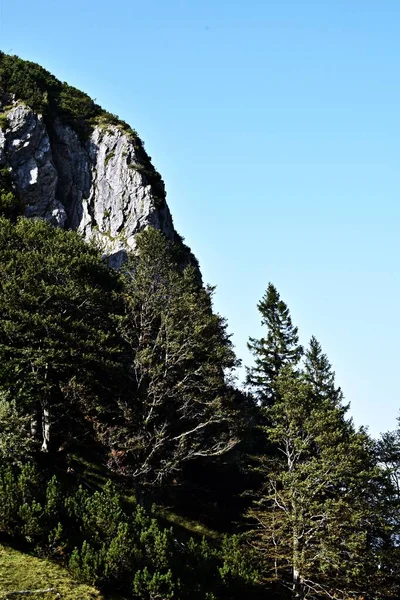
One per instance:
(116, 546)
(127, 373)
(117, 393)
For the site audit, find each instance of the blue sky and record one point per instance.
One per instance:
(276, 127)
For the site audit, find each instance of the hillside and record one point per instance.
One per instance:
(131, 460)
(71, 162)
(23, 572)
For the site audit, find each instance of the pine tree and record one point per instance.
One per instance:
(280, 347)
(15, 441)
(319, 374)
(388, 502)
(315, 512)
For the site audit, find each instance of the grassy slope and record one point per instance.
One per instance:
(19, 571)
(91, 471)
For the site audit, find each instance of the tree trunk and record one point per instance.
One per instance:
(297, 588)
(46, 426)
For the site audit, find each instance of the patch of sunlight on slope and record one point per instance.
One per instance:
(19, 571)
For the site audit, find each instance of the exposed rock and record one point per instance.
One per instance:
(26, 150)
(97, 186)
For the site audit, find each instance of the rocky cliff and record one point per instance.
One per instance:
(91, 175)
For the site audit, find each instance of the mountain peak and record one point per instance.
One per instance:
(69, 161)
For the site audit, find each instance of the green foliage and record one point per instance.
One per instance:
(387, 501)
(15, 440)
(21, 571)
(87, 564)
(54, 499)
(101, 514)
(280, 347)
(106, 545)
(59, 352)
(31, 516)
(109, 156)
(121, 553)
(9, 497)
(7, 202)
(116, 545)
(144, 165)
(45, 94)
(315, 514)
(155, 586)
(181, 406)
(20, 511)
(139, 362)
(319, 373)
(237, 568)
(10, 205)
(3, 121)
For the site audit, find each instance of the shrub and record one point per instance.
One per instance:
(15, 440)
(156, 586)
(3, 121)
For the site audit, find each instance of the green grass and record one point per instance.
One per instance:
(109, 157)
(189, 525)
(19, 571)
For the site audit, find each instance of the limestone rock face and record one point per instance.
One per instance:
(97, 186)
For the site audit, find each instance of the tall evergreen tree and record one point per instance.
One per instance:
(278, 348)
(315, 513)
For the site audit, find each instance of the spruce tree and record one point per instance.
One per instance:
(278, 348)
(315, 515)
(388, 502)
(318, 372)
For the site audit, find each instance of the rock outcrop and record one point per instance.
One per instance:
(98, 185)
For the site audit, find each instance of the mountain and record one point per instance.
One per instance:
(74, 164)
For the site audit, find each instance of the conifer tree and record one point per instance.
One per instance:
(59, 352)
(388, 502)
(388, 447)
(15, 441)
(318, 372)
(278, 348)
(314, 515)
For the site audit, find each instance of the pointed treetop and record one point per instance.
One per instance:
(319, 373)
(280, 347)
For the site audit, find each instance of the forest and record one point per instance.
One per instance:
(131, 455)
(121, 423)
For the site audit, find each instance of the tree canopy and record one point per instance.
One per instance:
(59, 351)
(278, 348)
(134, 371)
(181, 406)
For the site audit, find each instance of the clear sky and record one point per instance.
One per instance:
(276, 127)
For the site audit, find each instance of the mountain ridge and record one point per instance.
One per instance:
(69, 161)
